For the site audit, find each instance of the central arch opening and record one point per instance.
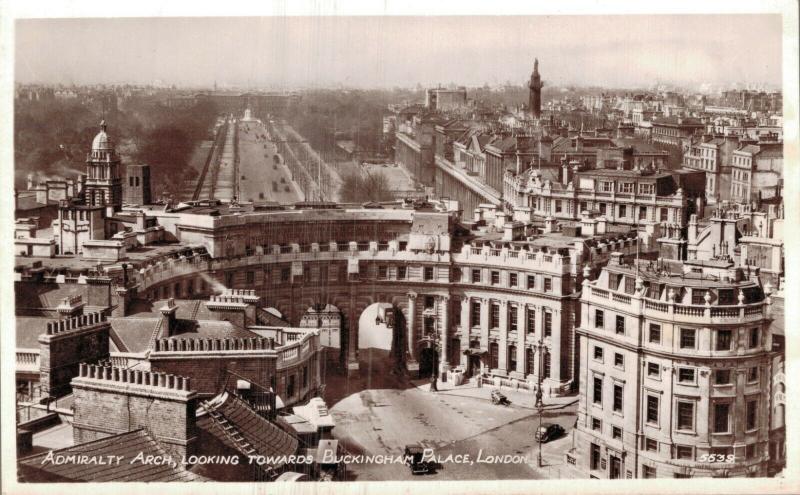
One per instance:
(380, 340)
(377, 340)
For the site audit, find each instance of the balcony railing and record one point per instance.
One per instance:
(678, 311)
(623, 298)
(689, 310)
(27, 359)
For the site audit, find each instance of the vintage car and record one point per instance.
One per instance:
(499, 398)
(549, 431)
(415, 462)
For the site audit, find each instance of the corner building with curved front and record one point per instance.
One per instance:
(677, 369)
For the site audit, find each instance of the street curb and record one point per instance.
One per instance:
(550, 407)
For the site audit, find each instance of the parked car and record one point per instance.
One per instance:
(415, 462)
(499, 398)
(549, 431)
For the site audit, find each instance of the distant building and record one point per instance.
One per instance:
(675, 131)
(635, 196)
(535, 95)
(137, 185)
(757, 172)
(104, 179)
(443, 99)
(713, 155)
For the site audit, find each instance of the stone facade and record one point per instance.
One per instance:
(673, 370)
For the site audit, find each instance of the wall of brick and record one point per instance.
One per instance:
(208, 373)
(62, 352)
(108, 406)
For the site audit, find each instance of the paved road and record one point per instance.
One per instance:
(224, 188)
(394, 413)
(260, 179)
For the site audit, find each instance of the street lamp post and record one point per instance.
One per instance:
(539, 404)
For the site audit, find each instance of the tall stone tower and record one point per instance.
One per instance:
(104, 178)
(535, 97)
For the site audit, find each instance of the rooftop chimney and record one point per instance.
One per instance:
(168, 312)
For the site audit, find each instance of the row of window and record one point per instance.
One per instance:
(739, 190)
(662, 212)
(723, 338)
(401, 273)
(680, 452)
(741, 174)
(513, 280)
(685, 410)
(627, 187)
(687, 375)
(511, 359)
(342, 246)
(603, 208)
(513, 318)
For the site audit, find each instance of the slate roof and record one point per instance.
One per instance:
(266, 318)
(134, 333)
(266, 437)
(639, 145)
(28, 330)
(37, 296)
(750, 148)
(30, 203)
(129, 445)
(193, 320)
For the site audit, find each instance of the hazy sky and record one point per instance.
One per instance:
(614, 51)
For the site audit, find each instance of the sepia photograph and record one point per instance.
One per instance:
(344, 246)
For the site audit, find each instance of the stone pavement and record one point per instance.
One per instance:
(522, 399)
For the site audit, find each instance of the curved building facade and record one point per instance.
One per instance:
(490, 303)
(674, 364)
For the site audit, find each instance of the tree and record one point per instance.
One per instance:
(357, 188)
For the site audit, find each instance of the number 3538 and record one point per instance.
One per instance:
(717, 458)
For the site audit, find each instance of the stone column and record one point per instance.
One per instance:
(411, 362)
(444, 358)
(502, 342)
(555, 346)
(352, 334)
(522, 332)
(484, 324)
(484, 329)
(466, 325)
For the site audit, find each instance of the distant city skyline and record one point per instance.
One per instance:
(370, 52)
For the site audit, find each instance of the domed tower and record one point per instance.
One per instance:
(104, 179)
(535, 96)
